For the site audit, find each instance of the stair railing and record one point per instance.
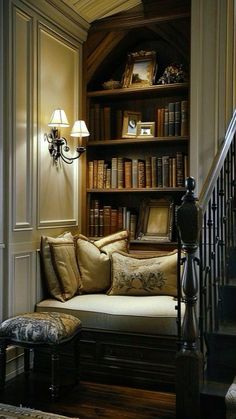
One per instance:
(207, 232)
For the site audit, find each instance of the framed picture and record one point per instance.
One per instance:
(140, 70)
(145, 129)
(130, 121)
(156, 220)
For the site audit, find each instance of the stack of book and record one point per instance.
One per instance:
(152, 172)
(172, 120)
(105, 220)
(104, 124)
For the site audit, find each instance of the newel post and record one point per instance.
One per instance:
(189, 363)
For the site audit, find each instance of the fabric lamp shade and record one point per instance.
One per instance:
(79, 129)
(58, 119)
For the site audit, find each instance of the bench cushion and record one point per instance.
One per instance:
(142, 314)
(44, 327)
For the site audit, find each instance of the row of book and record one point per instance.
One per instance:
(152, 172)
(106, 123)
(172, 120)
(105, 220)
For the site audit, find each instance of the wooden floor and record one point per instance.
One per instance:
(90, 400)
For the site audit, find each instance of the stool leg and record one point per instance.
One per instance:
(3, 346)
(54, 387)
(77, 359)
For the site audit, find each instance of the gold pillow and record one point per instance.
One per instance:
(51, 280)
(94, 260)
(65, 265)
(132, 275)
(114, 242)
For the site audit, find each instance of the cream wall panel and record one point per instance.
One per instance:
(1, 128)
(23, 288)
(58, 88)
(22, 120)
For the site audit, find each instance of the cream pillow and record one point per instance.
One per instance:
(94, 260)
(143, 276)
(52, 283)
(65, 265)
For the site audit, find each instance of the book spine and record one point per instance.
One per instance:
(106, 219)
(171, 107)
(101, 230)
(133, 223)
(165, 171)
(148, 173)
(154, 171)
(120, 172)
(166, 121)
(96, 218)
(134, 173)
(159, 172)
(107, 122)
(100, 182)
(114, 182)
(90, 174)
(184, 118)
(91, 222)
(179, 169)
(114, 217)
(128, 174)
(120, 218)
(108, 178)
(177, 118)
(141, 174)
(95, 174)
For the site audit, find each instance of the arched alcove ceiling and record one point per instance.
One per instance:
(107, 53)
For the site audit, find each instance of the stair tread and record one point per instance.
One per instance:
(215, 388)
(227, 328)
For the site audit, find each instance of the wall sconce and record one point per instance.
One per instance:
(57, 144)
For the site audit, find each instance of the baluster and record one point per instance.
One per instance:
(189, 361)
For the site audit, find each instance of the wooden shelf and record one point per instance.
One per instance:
(123, 141)
(135, 190)
(140, 91)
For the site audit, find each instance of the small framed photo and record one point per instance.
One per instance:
(140, 70)
(156, 220)
(145, 129)
(130, 121)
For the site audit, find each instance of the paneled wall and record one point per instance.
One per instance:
(42, 58)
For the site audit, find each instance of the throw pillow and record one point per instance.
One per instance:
(50, 276)
(65, 265)
(94, 260)
(143, 276)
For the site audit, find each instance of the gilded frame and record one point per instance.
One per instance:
(145, 129)
(130, 121)
(140, 70)
(156, 220)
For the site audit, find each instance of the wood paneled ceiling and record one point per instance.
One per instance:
(91, 10)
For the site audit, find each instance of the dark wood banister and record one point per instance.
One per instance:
(192, 218)
(217, 165)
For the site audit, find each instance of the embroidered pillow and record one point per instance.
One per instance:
(65, 265)
(50, 276)
(94, 260)
(132, 275)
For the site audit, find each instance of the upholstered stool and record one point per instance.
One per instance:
(40, 330)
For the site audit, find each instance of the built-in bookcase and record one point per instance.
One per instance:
(124, 171)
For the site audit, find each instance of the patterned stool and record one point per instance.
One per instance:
(40, 330)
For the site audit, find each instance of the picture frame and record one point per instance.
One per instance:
(145, 129)
(140, 70)
(156, 220)
(130, 121)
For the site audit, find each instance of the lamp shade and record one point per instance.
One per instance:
(79, 129)
(58, 119)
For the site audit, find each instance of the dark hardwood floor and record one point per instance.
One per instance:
(90, 400)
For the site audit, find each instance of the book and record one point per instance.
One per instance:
(108, 178)
(120, 219)
(165, 171)
(95, 174)
(114, 220)
(171, 108)
(184, 118)
(166, 121)
(114, 178)
(107, 122)
(96, 217)
(120, 172)
(154, 171)
(91, 222)
(133, 223)
(177, 118)
(141, 174)
(90, 174)
(135, 173)
(101, 232)
(179, 169)
(100, 176)
(97, 121)
(159, 172)
(128, 173)
(148, 183)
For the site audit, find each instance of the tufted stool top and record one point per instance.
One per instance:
(44, 327)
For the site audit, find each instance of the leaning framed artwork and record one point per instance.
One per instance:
(145, 129)
(156, 220)
(130, 121)
(140, 70)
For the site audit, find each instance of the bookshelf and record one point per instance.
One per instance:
(123, 173)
